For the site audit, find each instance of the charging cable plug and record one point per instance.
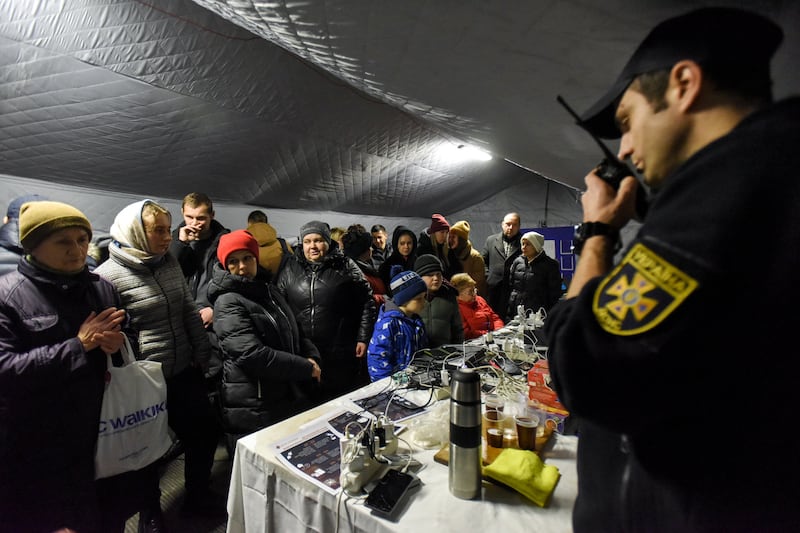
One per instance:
(388, 429)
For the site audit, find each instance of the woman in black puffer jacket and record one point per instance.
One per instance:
(268, 366)
(334, 306)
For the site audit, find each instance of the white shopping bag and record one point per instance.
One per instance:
(133, 430)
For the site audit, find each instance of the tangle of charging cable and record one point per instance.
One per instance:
(342, 494)
(394, 393)
(507, 386)
(410, 453)
(407, 387)
(349, 453)
(351, 449)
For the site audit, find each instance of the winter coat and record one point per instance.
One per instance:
(395, 339)
(472, 263)
(534, 284)
(197, 260)
(161, 309)
(379, 256)
(497, 269)
(51, 390)
(272, 250)
(10, 250)
(396, 259)
(375, 282)
(333, 304)
(450, 263)
(442, 317)
(478, 317)
(8, 261)
(265, 359)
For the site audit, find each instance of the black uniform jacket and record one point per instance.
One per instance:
(683, 359)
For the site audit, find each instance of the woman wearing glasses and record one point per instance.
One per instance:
(476, 314)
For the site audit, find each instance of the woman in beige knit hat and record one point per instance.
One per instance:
(476, 314)
(472, 262)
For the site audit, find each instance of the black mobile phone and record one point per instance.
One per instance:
(390, 490)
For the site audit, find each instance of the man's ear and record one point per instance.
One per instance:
(685, 83)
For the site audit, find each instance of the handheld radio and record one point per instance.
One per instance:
(610, 168)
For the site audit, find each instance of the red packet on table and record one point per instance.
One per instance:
(542, 394)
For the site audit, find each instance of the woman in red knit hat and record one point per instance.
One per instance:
(268, 366)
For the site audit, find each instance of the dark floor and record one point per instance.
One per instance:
(172, 493)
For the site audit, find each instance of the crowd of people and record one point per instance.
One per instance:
(248, 329)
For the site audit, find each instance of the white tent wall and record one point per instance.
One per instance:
(537, 203)
(345, 111)
(102, 206)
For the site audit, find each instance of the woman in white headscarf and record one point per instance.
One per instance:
(535, 278)
(157, 298)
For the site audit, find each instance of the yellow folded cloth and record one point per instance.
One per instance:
(524, 471)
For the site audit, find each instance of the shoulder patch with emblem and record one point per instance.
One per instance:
(640, 292)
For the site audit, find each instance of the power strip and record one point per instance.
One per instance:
(362, 461)
(353, 482)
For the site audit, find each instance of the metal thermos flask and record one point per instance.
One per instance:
(465, 434)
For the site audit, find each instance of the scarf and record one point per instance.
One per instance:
(129, 234)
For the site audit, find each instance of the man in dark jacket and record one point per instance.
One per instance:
(381, 247)
(194, 245)
(499, 252)
(648, 353)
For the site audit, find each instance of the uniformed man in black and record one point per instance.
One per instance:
(678, 361)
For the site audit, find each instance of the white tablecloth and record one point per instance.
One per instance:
(267, 496)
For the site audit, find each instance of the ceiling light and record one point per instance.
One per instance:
(462, 152)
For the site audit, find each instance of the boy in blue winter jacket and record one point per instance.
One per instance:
(399, 331)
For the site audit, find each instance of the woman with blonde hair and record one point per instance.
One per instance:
(161, 307)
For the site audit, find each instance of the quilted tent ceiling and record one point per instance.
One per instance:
(354, 106)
